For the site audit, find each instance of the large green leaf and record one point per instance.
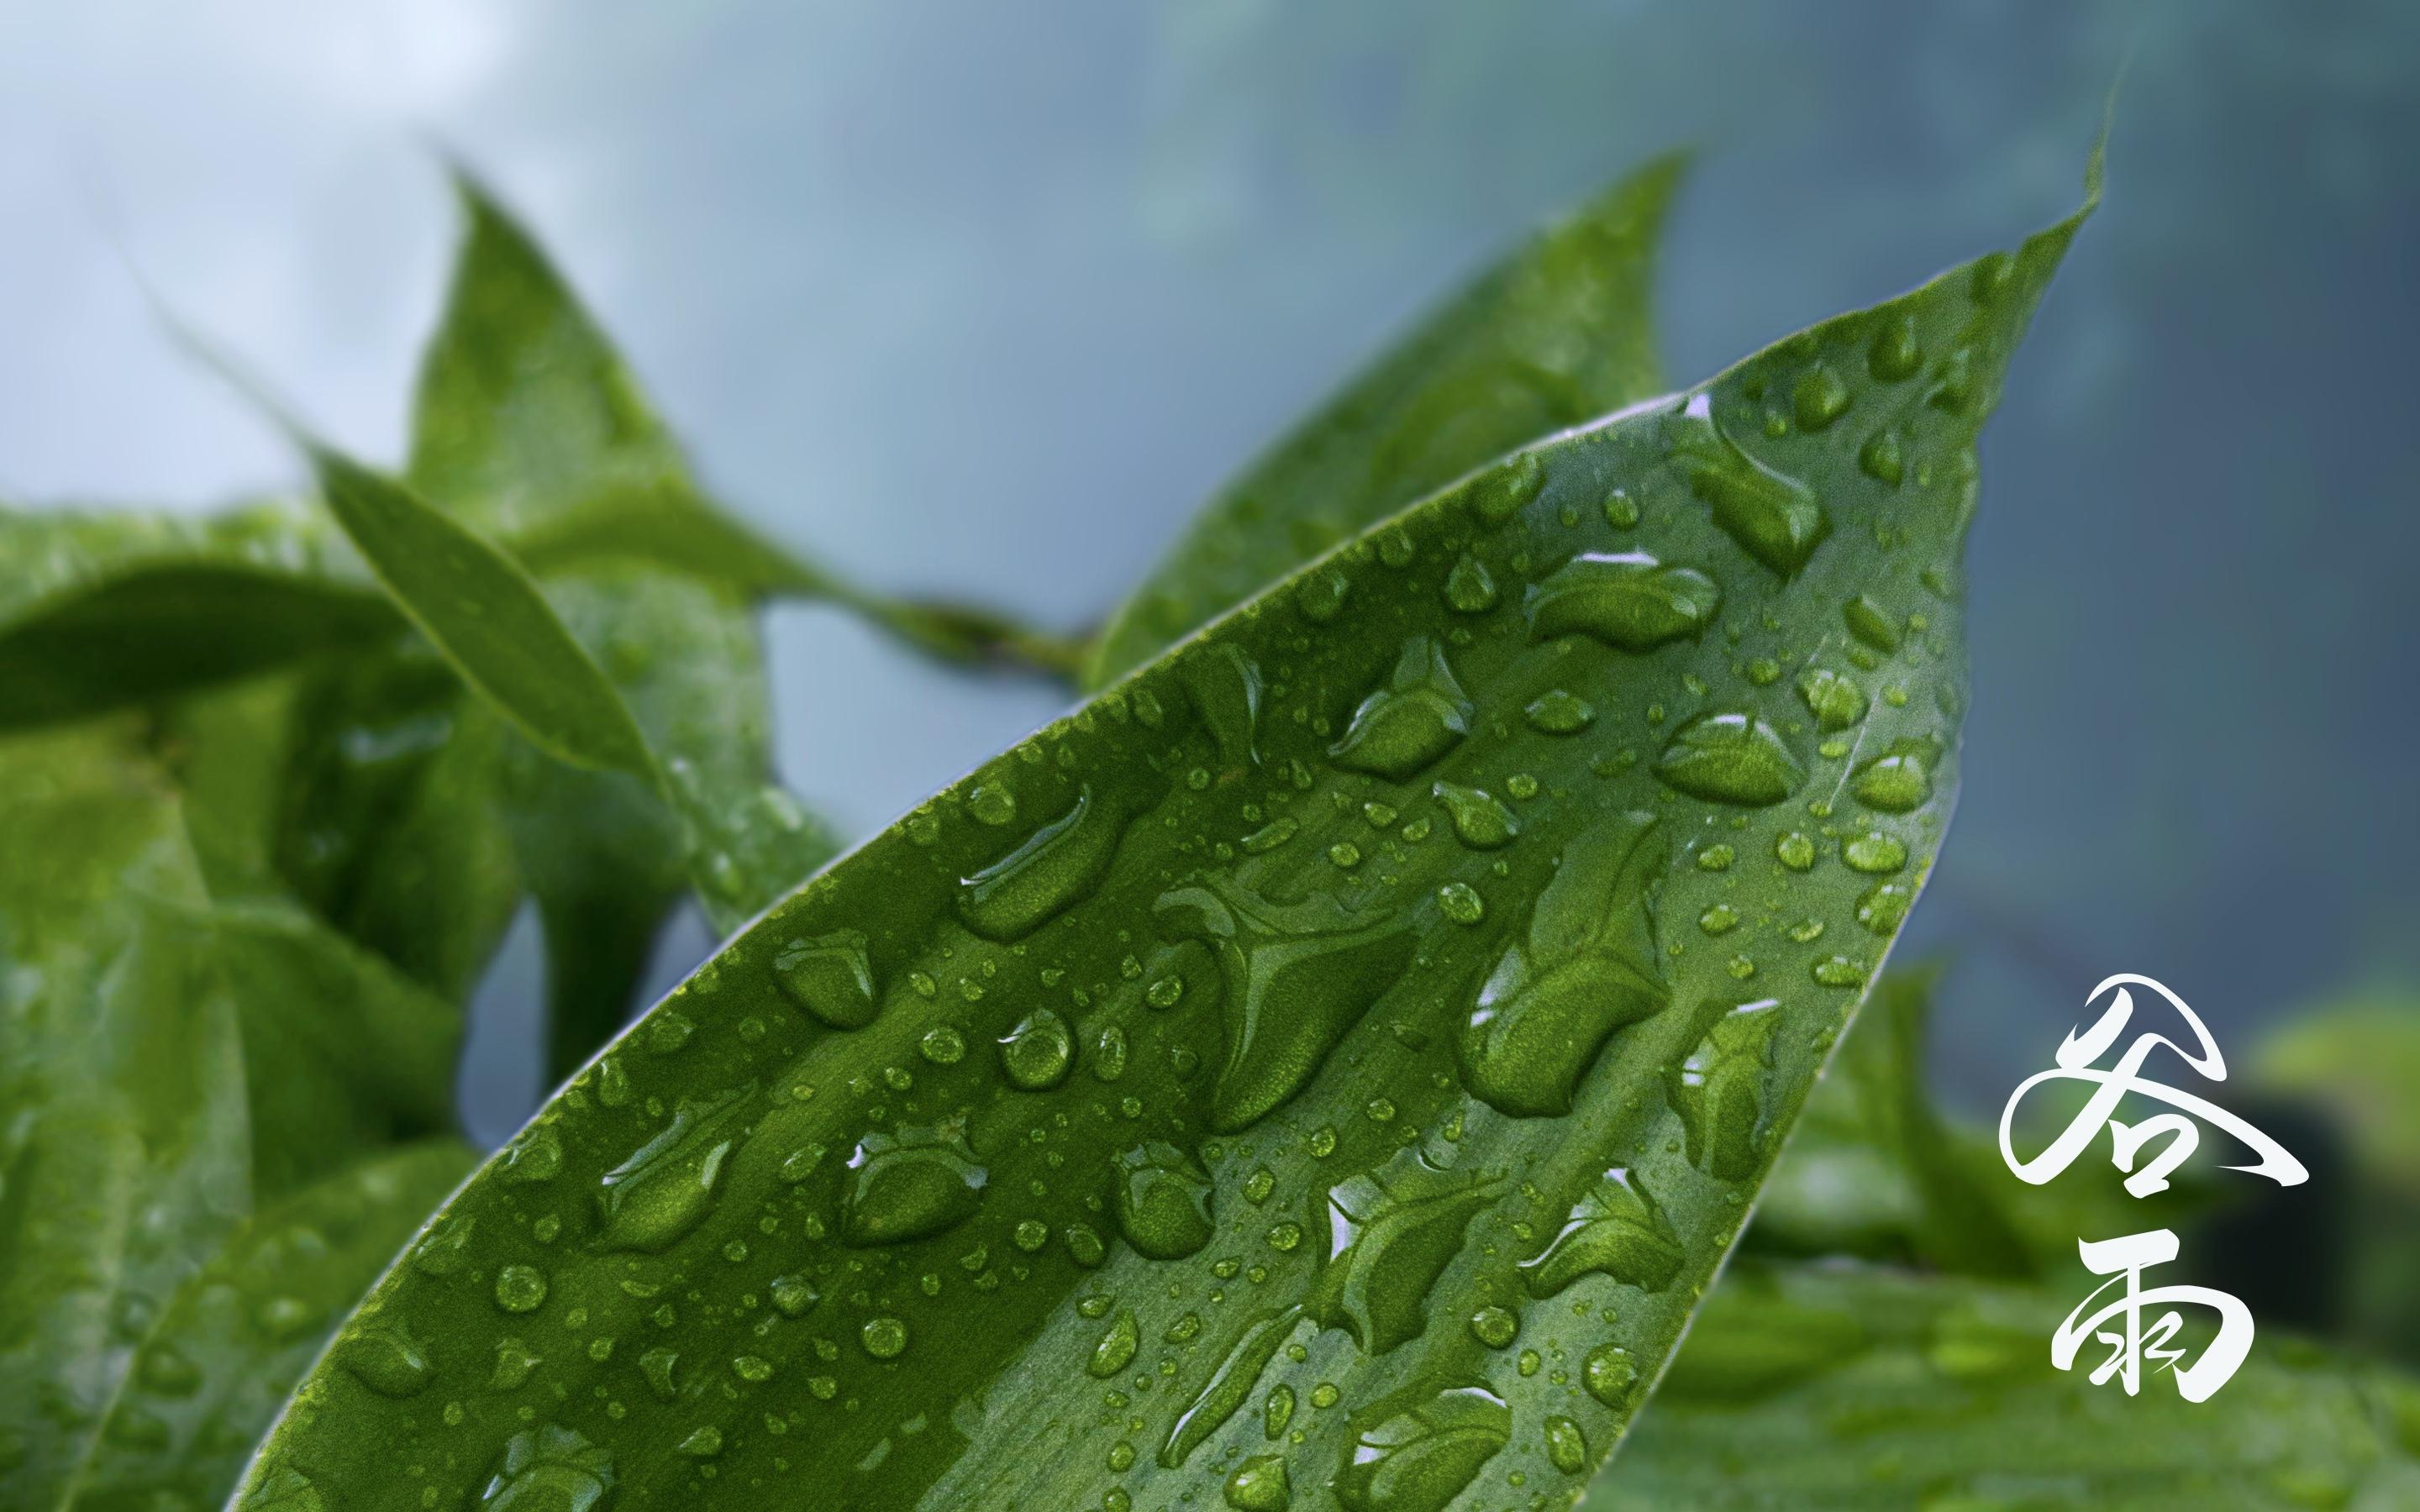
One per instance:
(100, 609)
(1397, 988)
(1556, 332)
(1842, 1389)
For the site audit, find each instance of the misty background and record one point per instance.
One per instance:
(983, 300)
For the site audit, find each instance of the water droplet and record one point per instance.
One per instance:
(992, 803)
(1620, 510)
(1259, 1485)
(911, 1186)
(703, 1442)
(754, 1368)
(1163, 1201)
(1277, 1412)
(942, 1044)
(520, 1289)
(1417, 716)
(1479, 821)
(885, 1338)
(1294, 978)
(1719, 918)
(1839, 971)
(1630, 601)
(1036, 1054)
(1460, 902)
(1497, 495)
(1587, 967)
(1227, 1386)
(388, 1361)
(1224, 687)
(1420, 1459)
(1818, 398)
(667, 1186)
(1834, 701)
(1775, 519)
(549, 1470)
(1560, 713)
(1062, 862)
(1610, 1374)
(1894, 354)
(1718, 1090)
(1872, 624)
(1794, 851)
(1729, 758)
(514, 1365)
(1896, 782)
(1616, 1230)
(830, 976)
(1116, 1349)
(1874, 852)
(1469, 589)
(656, 1366)
(1392, 1233)
(795, 1295)
(1494, 1326)
(1882, 458)
(1321, 594)
(535, 1156)
(1884, 905)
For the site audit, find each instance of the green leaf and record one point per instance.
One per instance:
(1838, 1387)
(529, 429)
(101, 610)
(813, 1227)
(172, 1056)
(483, 612)
(212, 1372)
(1556, 333)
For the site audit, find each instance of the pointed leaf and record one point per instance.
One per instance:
(1554, 334)
(1177, 916)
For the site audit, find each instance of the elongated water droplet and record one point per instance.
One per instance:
(1479, 821)
(1497, 495)
(1116, 1349)
(1392, 1233)
(1064, 861)
(1616, 1230)
(1468, 588)
(1163, 1201)
(1560, 713)
(1631, 601)
(1417, 716)
(1294, 978)
(1224, 685)
(1418, 1456)
(1719, 1090)
(1818, 398)
(1729, 758)
(1872, 624)
(668, 1185)
(911, 1185)
(830, 976)
(1227, 1386)
(1587, 966)
(549, 1470)
(388, 1361)
(1775, 519)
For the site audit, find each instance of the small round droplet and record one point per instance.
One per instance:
(1560, 713)
(1461, 903)
(1494, 1326)
(1609, 1373)
(1839, 971)
(992, 804)
(1259, 1485)
(1035, 1055)
(1566, 1445)
(1794, 851)
(942, 1044)
(1719, 918)
(1874, 852)
(520, 1289)
(885, 1338)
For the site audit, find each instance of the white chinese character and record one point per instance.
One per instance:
(2130, 1255)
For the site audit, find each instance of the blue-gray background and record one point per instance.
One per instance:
(984, 299)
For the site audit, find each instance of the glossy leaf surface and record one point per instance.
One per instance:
(1844, 1389)
(1556, 332)
(1149, 1111)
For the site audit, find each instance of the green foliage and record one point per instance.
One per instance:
(1840, 1388)
(1310, 1022)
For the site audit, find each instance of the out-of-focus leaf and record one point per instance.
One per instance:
(123, 1140)
(1365, 999)
(529, 429)
(2360, 1060)
(1874, 1171)
(1839, 1388)
(602, 854)
(99, 610)
(1556, 333)
(483, 612)
(168, 1060)
(219, 1361)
